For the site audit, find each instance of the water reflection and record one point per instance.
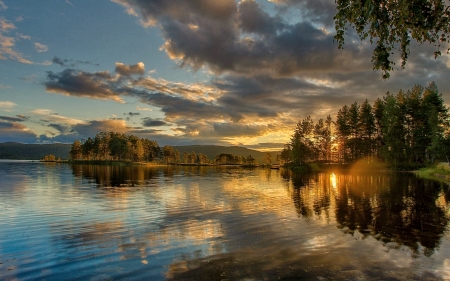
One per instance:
(95, 222)
(395, 208)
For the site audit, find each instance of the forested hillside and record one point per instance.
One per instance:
(20, 151)
(212, 151)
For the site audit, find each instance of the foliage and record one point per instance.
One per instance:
(310, 142)
(212, 151)
(391, 25)
(49, 158)
(113, 146)
(404, 131)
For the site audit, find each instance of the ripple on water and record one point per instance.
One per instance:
(97, 223)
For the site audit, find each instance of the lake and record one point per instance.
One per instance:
(93, 222)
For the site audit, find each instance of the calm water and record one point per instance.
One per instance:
(87, 222)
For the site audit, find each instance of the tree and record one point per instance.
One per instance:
(76, 151)
(139, 151)
(88, 149)
(250, 160)
(302, 144)
(267, 159)
(286, 153)
(202, 158)
(392, 24)
(118, 146)
(394, 133)
(50, 158)
(367, 129)
(169, 154)
(343, 132)
(186, 157)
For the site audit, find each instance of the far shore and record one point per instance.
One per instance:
(439, 172)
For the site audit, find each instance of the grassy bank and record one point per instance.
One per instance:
(440, 172)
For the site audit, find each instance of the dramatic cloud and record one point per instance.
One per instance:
(267, 67)
(127, 70)
(82, 84)
(272, 46)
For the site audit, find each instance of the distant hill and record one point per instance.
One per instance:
(20, 151)
(211, 151)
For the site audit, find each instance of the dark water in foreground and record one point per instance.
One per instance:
(60, 222)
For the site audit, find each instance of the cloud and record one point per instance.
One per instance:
(149, 122)
(91, 128)
(267, 145)
(70, 63)
(41, 48)
(71, 82)
(143, 108)
(61, 62)
(245, 39)
(61, 128)
(239, 130)
(7, 43)
(16, 131)
(131, 114)
(7, 105)
(317, 11)
(49, 116)
(24, 37)
(127, 70)
(3, 6)
(252, 19)
(83, 130)
(19, 118)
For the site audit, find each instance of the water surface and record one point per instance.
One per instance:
(90, 222)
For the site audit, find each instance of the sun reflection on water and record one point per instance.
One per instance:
(333, 180)
(181, 221)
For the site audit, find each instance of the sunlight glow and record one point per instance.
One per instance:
(333, 180)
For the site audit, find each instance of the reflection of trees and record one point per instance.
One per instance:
(311, 194)
(115, 175)
(399, 208)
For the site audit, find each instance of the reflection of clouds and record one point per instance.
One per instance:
(253, 195)
(188, 233)
(188, 223)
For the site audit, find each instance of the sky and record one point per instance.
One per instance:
(219, 72)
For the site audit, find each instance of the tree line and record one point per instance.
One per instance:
(407, 129)
(113, 146)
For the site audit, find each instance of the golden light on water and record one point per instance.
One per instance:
(333, 180)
